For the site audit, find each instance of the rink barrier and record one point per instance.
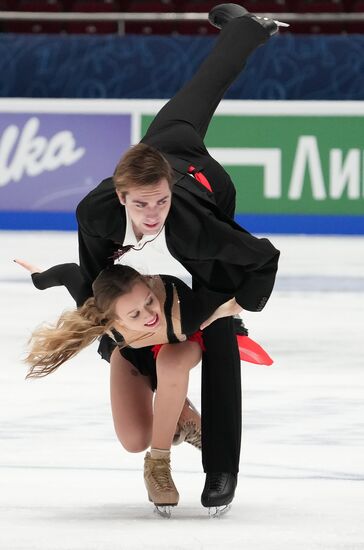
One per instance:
(274, 224)
(297, 166)
(33, 221)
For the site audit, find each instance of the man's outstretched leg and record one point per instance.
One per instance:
(197, 101)
(180, 126)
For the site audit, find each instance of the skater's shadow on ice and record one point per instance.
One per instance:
(122, 512)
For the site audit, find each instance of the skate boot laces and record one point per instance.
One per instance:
(159, 482)
(192, 433)
(217, 482)
(189, 426)
(161, 475)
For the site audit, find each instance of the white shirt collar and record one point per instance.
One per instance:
(130, 237)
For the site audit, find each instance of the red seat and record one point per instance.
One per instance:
(196, 28)
(198, 7)
(96, 6)
(268, 6)
(322, 6)
(39, 5)
(5, 6)
(355, 27)
(8, 5)
(94, 27)
(202, 27)
(358, 6)
(151, 7)
(150, 27)
(36, 26)
(317, 28)
(347, 4)
(67, 4)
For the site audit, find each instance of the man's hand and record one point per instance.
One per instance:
(225, 310)
(29, 267)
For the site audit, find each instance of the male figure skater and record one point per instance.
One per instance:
(169, 197)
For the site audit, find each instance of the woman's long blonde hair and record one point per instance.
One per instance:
(52, 345)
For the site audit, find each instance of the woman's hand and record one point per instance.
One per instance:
(225, 310)
(29, 267)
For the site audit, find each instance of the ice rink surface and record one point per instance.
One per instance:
(66, 483)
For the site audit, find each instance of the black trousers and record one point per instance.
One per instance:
(179, 129)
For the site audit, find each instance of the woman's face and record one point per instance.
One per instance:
(138, 309)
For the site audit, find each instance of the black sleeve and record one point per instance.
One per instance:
(107, 344)
(68, 275)
(220, 254)
(101, 222)
(95, 253)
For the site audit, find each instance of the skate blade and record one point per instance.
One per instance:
(218, 511)
(281, 24)
(278, 23)
(163, 511)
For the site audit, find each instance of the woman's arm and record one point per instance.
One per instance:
(29, 267)
(227, 309)
(201, 307)
(68, 275)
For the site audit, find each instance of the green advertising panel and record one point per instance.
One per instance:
(291, 164)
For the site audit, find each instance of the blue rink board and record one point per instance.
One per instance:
(275, 223)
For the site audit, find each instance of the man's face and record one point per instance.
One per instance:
(147, 207)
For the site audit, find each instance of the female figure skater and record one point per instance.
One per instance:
(155, 322)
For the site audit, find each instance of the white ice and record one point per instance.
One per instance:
(66, 483)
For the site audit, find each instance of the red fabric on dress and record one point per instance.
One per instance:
(196, 337)
(251, 351)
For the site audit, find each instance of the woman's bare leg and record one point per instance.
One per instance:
(174, 363)
(131, 404)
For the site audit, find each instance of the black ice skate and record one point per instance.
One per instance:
(219, 492)
(223, 13)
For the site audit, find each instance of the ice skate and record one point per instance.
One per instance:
(218, 493)
(189, 426)
(160, 486)
(221, 14)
